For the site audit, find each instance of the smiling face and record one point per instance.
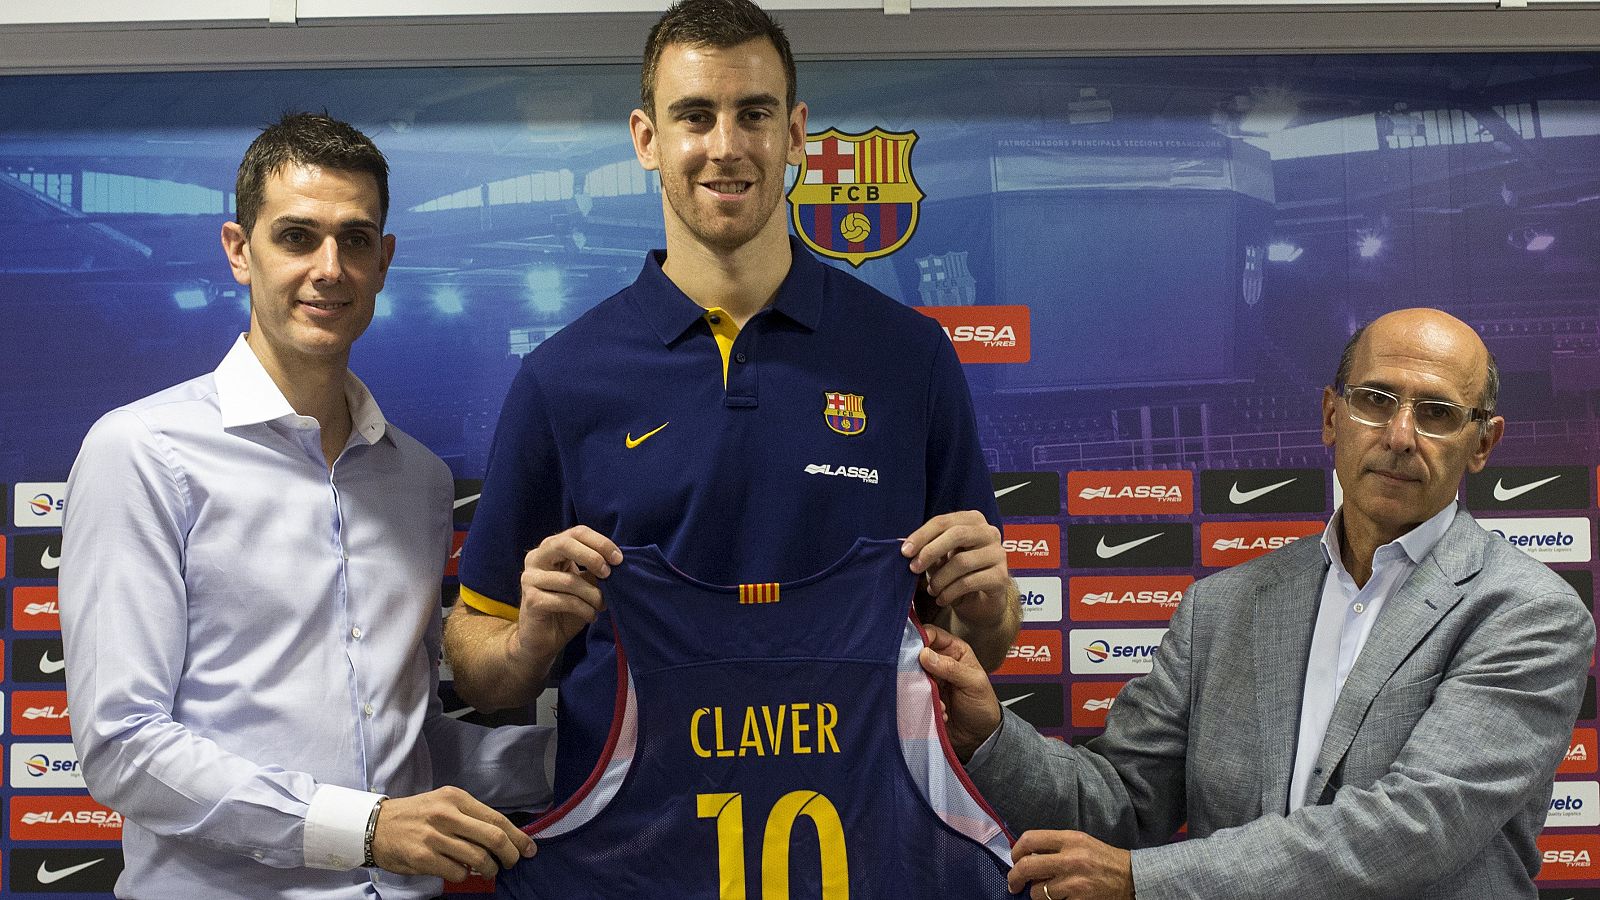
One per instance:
(314, 263)
(721, 139)
(1394, 478)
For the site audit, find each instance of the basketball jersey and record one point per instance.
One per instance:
(771, 741)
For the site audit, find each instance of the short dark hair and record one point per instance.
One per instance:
(712, 23)
(306, 139)
(1491, 376)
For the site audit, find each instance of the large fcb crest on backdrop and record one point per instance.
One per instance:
(854, 198)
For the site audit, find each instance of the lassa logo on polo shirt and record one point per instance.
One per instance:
(1263, 490)
(1038, 702)
(1569, 857)
(1580, 758)
(985, 334)
(1033, 653)
(1027, 493)
(39, 713)
(1130, 546)
(1131, 493)
(36, 555)
(1125, 598)
(74, 870)
(1032, 546)
(38, 504)
(63, 818)
(35, 609)
(1231, 543)
(1092, 701)
(1528, 487)
(1554, 540)
(1574, 804)
(1113, 651)
(1040, 598)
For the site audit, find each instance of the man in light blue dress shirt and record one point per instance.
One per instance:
(249, 588)
(1378, 714)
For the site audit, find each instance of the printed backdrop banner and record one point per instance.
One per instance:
(1148, 265)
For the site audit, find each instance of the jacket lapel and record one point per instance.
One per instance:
(1407, 618)
(1285, 614)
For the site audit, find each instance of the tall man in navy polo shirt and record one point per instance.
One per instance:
(743, 406)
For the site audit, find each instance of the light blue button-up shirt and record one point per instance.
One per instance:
(252, 641)
(1345, 617)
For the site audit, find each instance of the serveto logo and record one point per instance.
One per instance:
(62, 818)
(1569, 857)
(1114, 651)
(45, 766)
(870, 476)
(39, 713)
(1040, 598)
(1231, 543)
(1130, 493)
(1557, 540)
(1575, 804)
(1125, 598)
(1032, 546)
(1580, 757)
(1092, 700)
(1033, 653)
(985, 334)
(35, 608)
(38, 504)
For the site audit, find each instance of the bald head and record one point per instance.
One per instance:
(1426, 334)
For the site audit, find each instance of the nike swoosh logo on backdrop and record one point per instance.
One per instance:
(49, 560)
(1105, 552)
(46, 876)
(1015, 699)
(465, 500)
(1240, 498)
(633, 442)
(1006, 490)
(1503, 493)
(51, 666)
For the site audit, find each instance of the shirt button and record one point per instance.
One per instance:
(258, 855)
(368, 710)
(716, 320)
(1359, 608)
(739, 357)
(356, 631)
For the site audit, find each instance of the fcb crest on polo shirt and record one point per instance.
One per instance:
(845, 413)
(855, 198)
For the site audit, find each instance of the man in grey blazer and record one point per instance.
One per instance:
(1378, 714)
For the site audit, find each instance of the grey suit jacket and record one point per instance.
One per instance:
(1436, 772)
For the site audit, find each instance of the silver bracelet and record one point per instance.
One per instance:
(372, 832)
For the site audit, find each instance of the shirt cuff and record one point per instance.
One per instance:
(336, 827)
(982, 753)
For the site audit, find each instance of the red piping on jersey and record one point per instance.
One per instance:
(599, 769)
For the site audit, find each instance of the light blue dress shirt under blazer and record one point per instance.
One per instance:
(253, 639)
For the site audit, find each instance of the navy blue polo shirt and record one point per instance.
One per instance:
(751, 455)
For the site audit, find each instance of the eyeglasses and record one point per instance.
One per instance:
(1433, 418)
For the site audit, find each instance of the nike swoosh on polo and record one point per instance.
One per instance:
(1240, 498)
(633, 442)
(49, 560)
(1503, 493)
(465, 500)
(46, 876)
(1016, 699)
(1006, 490)
(1105, 552)
(51, 666)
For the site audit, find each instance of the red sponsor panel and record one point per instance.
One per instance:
(1033, 546)
(1580, 758)
(1091, 701)
(1034, 653)
(1125, 598)
(474, 884)
(453, 564)
(73, 817)
(1231, 543)
(985, 334)
(1569, 857)
(1131, 493)
(39, 712)
(35, 609)
(2, 556)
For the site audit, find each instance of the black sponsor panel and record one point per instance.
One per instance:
(1078, 740)
(467, 491)
(38, 660)
(1027, 493)
(1130, 546)
(1582, 581)
(1264, 490)
(1529, 487)
(1569, 894)
(1039, 702)
(1586, 711)
(36, 555)
(64, 871)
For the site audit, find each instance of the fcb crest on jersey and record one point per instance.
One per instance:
(845, 413)
(854, 198)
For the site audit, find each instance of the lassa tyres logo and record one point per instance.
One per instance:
(1580, 758)
(35, 608)
(1569, 857)
(1130, 546)
(1130, 493)
(38, 504)
(1092, 702)
(1113, 651)
(40, 713)
(1528, 487)
(1032, 546)
(1125, 598)
(1033, 653)
(1549, 540)
(62, 818)
(985, 334)
(1231, 543)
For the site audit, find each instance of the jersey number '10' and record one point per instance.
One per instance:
(728, 810)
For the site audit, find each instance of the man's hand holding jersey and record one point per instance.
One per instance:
(964, 564)
(445, 832)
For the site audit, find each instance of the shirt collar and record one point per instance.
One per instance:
(1416, 543)
(247, 395)
(670, 312)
